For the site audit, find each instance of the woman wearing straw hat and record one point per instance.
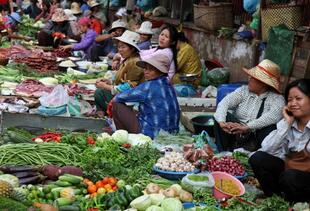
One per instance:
(88, 40)
(11, 27)
(282, 165)
(247, 115)
(146, 33)
(76, 10)
(56, 29)
(158, 104)
(105, 45)
(73, 22)
(128, 75)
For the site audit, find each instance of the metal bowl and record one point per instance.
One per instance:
(188, 77)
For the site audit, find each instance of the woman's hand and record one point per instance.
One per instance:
(239, 129)
(287, 115)
(115, 65)
(66, 47)
(104, 85)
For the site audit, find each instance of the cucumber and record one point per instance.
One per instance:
(62, 202)
(63, 183)
(71, 178)
(69, 208)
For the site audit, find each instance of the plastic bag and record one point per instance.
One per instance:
(217, 76)
(204, 138)
(58, 97)
(191, 185)
(52, 111)
(250, 5)
(185, 90)
(78, 107)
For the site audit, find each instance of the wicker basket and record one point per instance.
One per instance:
(213, 17)
(4, 61)
(289, 15)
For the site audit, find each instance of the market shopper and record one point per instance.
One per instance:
(33, 9)
(55, 30)
(127, 76)
(167, 42)
(282, 165)
(88, 39)
(188, 61)
(105, 45)
(158, 105)
(146, 34)
(73, 20)
(247, 115)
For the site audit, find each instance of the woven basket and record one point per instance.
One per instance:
(4, 61)
(213, 17)
(289, 15)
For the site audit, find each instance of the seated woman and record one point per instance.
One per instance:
(129, 74)
(88, 40)
(273, 164)
(158, 105)
(33, 9)
(188, 61)
(55, 30)
(256, 108)
(45, 11)
(105, 45)
(146, 33)
(73, 20)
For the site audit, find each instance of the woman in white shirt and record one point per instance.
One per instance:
(291, 136)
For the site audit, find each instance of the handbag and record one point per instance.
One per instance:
(299, 160)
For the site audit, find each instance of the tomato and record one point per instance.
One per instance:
(114, 188)
(90, 140)
(93, 195)
(126, 145)
(105, 180)
(112, 181)
(99, 184)
(92, 189)
(110, 191)
(85, 181)
(89, 183)
(101, 191)
(107, 187)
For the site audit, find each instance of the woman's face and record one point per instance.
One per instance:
(118, 32)
(298, 103)
(144, 37)
(83, 28)
(256, 86)
(164, 39)
(125, 50)
(150, 72)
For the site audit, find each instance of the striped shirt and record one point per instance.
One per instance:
(158, 106)
(245, 106)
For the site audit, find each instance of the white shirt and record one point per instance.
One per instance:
(286, 138)
(245, 106)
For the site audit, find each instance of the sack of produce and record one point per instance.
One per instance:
(217, 76)
(198, 182)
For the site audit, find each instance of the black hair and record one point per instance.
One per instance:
(173, 42)
(302, 84)
(182, 37)
(131, 47)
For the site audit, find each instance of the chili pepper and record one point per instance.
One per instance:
(90, 140)
(126, 145)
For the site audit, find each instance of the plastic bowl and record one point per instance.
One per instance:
(173, 175)
(242, 177)
(201, 123)
(218, 193)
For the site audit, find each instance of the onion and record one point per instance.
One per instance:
(170, 192)
(152, 188)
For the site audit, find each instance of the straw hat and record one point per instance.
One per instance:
(118, 24)
(129, 37)
(70, 15)
(146, 28)
(93, 3)
(75, 8)
(159, 61)
(59, 15)
(267, 72)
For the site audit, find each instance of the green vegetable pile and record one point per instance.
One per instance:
(10, 204)
(67, 78)
(244, 160)
(27, 27)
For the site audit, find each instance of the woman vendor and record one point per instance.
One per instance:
(146, 33)
(88, 40)
(129, 74)
(188, 61)
(247, 115)
(158, 105)
(282, 165)
(56, 30)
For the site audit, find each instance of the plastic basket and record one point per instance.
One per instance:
(173, 175)
(213, 17)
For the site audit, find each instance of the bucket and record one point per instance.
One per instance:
(225, 89)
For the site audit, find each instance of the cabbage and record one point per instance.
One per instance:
(138, 139)
(74, 72)
(10, 179)
(157, 198)
(172, 204)
(120, 136)
(49, 81)
(141, 203)
(104, 137)
(155, 208)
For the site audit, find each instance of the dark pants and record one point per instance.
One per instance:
(251, 141)
(102, 99)
(125, 118)
(273, 178)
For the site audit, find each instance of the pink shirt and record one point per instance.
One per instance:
(144, 54)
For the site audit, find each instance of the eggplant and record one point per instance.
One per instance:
(13, 169)
(32, 180)
(24, 174)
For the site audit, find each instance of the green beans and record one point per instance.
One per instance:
(39, 154)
